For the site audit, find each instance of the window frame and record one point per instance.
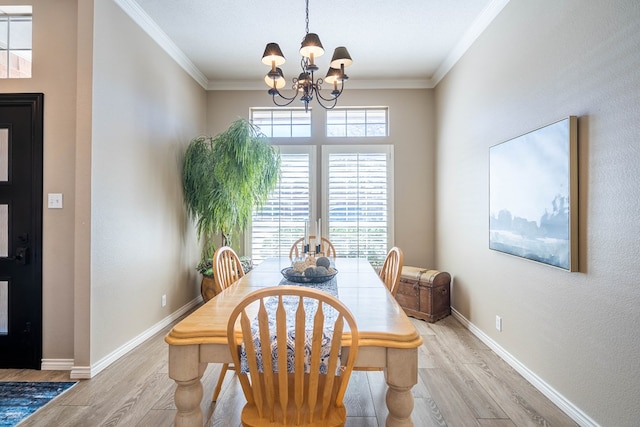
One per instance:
(347, 124)
(294, 113)
(311, 150)
(387, 149)
(9, 14)
(317, 182)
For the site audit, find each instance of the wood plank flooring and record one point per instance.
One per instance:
(461, 383)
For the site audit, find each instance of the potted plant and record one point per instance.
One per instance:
(224, 178)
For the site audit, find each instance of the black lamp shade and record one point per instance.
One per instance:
(278, 79)
(340, 57)
(311, 45)
(272, 54)
(333, 75)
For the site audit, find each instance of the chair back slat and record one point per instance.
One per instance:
(244, 380)
(313, 322)
(267, 363)
(255, 394)
(316, 347)
(300, 332)
(345, 374)
(336, 338)
(283, 380)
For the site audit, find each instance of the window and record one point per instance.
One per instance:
(15, 42)
(281, 221)
(282, 122)
(356, 206)
(358, 200)
(357, 122)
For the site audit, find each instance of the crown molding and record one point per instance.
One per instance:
(149, 26)
(352, 84)
(470, 36)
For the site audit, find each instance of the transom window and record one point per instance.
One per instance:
(357, 122)
(282, 122)
(15, 42)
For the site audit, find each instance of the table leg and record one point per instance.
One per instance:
(401, 375)
(186, 370)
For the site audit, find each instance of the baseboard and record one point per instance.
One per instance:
(559, 400)
(56, 364)
(86, 372)
(80, 373)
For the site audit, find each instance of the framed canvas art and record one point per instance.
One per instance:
(533, 195)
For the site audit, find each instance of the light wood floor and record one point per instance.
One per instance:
(461, 383)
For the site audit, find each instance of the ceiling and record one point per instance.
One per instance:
(406, 43)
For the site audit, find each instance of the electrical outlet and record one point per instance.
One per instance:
(499, 323)
(164, 300)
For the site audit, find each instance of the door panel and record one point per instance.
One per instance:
(21, 230)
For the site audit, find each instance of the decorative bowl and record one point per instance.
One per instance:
(294, 276)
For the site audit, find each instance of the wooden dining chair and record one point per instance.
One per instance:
(392, 269)
(302, 380)
(326, 247)
(227, 269)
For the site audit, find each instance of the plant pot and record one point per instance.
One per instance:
(208, 288)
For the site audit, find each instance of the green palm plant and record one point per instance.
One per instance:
(224, 178)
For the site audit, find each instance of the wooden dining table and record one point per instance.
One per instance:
(387, 339)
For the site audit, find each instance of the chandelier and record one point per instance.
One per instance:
(306, 86)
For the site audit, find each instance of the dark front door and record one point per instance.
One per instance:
(21, 230)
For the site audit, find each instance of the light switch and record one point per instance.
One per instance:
(55, 200)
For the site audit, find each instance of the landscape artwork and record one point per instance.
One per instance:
(533, 195)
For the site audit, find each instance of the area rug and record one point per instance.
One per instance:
(18, 400)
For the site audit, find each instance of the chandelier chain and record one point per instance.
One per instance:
(307, 17)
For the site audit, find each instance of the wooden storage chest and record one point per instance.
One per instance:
(424, 293)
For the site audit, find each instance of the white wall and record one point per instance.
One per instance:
(539, 62)
(411, 132)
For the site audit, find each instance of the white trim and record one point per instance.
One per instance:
(86, 372)
(80, 373)
(56, 364)
(350, 85)
(470, 36)
(552, 394)
(150, 27)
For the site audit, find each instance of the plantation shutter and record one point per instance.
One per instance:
(358, 200)
(281, 222)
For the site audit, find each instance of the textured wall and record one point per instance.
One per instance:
(539, 62)
(145, 110)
